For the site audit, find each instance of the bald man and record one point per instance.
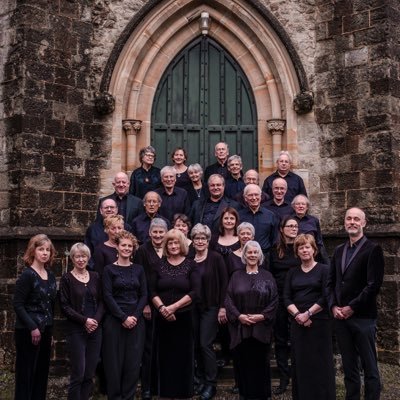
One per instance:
(278, 205)
(356, 276)
(129, 206)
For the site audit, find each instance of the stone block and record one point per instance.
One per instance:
(90, 202)
(73, 130)
(63, 182)
(34, 106)
(376, 178)
(83, 218)
(54, 127)
(55, 92)
(361, 162)
(64, 146)
(93, 167)
(85, 185)
(31, 161)
(344, 111)
(356, 57)
(53, 163)
(64, 76)
(377, 122)
(348, 180)
(355, 22)
(72, 201)
(50, 199)
(74, 165)
(74, 96)
(373, 35)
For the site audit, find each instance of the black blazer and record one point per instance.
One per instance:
(357, 284)
(197, 211)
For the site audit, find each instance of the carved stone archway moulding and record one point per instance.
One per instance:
(163, 33)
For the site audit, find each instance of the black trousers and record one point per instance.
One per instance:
(122, 355)
(281, 337)
(84, 354)
(147, 377)
(205, 325)
(356, 340)
(32, 365)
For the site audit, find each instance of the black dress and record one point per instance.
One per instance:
(104, 255)
(252, 294)
(312, 354)
(174, 341)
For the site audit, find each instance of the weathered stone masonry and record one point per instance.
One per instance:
(54, 145)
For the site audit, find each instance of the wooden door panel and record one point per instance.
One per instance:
(204, 98)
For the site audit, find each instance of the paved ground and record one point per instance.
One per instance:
(390, 377)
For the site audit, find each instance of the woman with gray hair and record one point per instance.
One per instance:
(209, 310)
(245, 232)
(251, 303)
(147, 177)
(196, 188)
(81, 302)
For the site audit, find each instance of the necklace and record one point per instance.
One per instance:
(255, 272)
(84, 278)
(200, 258)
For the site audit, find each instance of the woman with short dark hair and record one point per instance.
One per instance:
(146, 178)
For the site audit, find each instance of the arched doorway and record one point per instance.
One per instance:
(204, 98)
(248, 33)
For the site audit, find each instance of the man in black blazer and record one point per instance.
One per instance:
(208, 210)
(129, 206)
(356, 276)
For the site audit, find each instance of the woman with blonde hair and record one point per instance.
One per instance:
(34, 297)
(81, 302)
(174, 288)
(305, 296)
(125, 296)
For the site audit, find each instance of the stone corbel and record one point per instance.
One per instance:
(132, 128)
(104, 103)
(303, 102)
(276, 128)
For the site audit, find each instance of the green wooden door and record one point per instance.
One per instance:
(204, 98)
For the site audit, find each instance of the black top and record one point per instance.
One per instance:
(196, 194)
(216, 168)
(279, 210)
(143, 181)
(214, 280)
(172, 282)
(34, 300)
(175, 203)
(104, 255)
(304, 289)
(221, 249)
(234, 263)
(264, 222)
(279, 267)
(251, 294)
(233, 186)
(125, 290)
(182, 179)
(295, 185)
(141, 226)
(74, 294)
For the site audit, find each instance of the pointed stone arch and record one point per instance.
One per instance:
(157, 34)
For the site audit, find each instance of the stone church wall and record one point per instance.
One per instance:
(53, 144)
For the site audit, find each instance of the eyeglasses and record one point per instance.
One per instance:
(292, 226)
(200, 239)
(149, 155)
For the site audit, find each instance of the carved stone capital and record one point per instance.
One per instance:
(276, 126)
(104, 103)
(303, 102)
(132, 126)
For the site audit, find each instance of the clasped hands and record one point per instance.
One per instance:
(303, 319)
(130, 322)
(342, 312)
(250, 319)
(168, 312)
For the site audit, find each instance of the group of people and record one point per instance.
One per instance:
(177, 255)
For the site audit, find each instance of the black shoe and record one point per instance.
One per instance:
(199, 388)
(146, 395)
(234, 389)
(281, 388)
(208, 392)
(221, 363)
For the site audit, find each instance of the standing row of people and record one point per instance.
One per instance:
(188, 296)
